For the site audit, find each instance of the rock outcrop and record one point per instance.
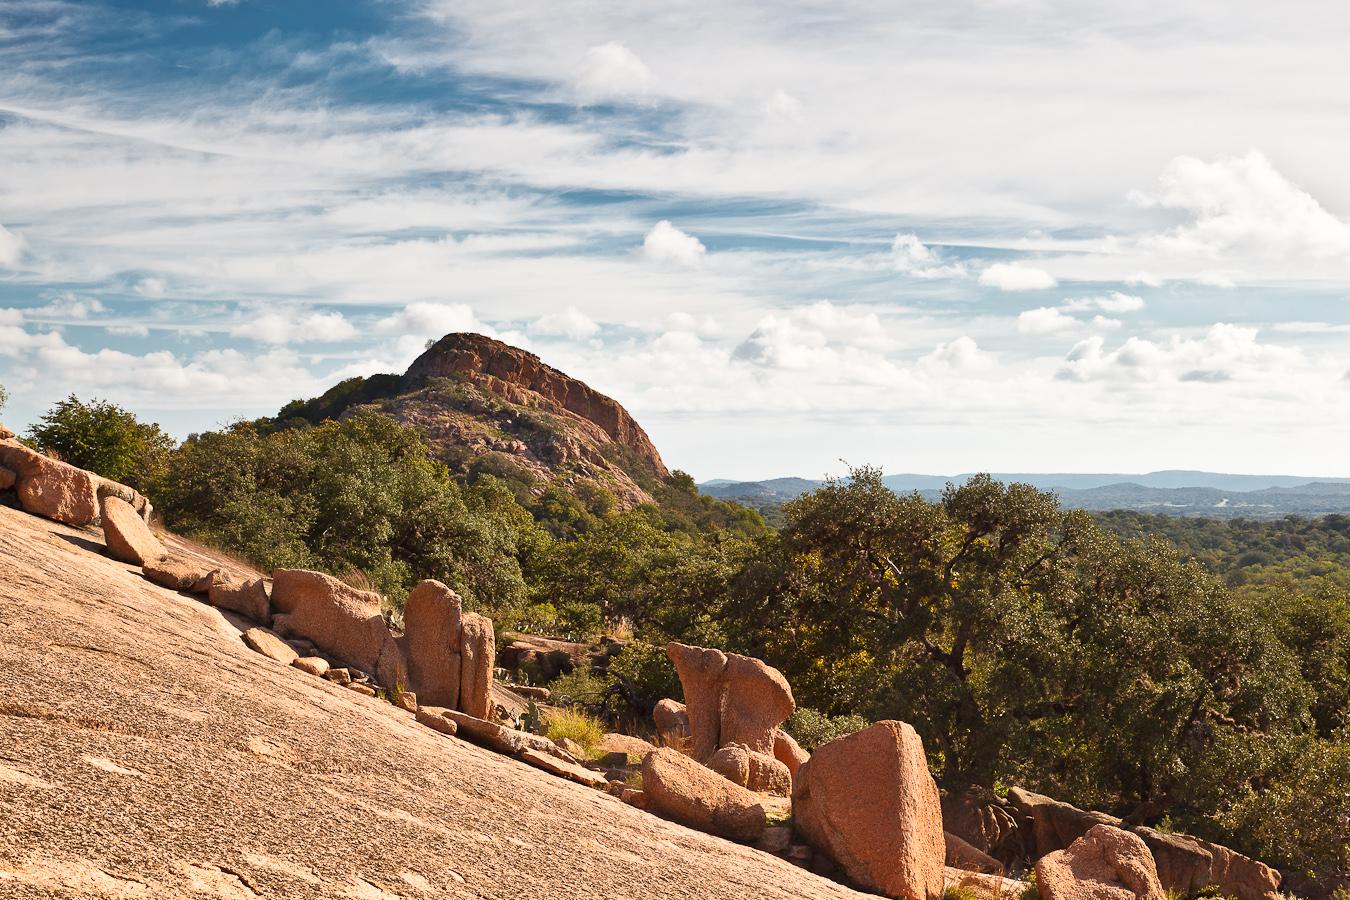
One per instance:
(477, 653)
(432, 618)
(984, 822)
(759, 772)
(787, 751)
(246, 596)
(869, 802)
(671, 719)
(680, 789)
(1104, 864)
(57, 490)
(1184, 863)
(730, 699)
(340, 620)
(179, 573)
(126, 534)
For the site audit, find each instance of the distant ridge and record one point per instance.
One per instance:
(1171, 492)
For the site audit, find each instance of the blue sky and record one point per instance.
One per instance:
(1024, 235)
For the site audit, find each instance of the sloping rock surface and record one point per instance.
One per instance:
(146, 752)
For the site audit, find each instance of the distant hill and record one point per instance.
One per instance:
(1171, 492)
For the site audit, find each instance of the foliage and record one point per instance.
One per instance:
(4, 396)
(580, 687)
(358, 494)
(577, 724)
(103, 438)
(645, 675)
(811, 728)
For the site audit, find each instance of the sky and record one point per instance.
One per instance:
(1007, 235)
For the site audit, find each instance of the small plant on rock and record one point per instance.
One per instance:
(576, 724)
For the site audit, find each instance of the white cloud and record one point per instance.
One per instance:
(704, 326)
(570, 322)
(133, 330)
(1045, 320)
(667, 244)
(1216, 278)
(913, 257)
(1016, 276)
(782, 105)
(67, 305)
(1146, 279)
(12, 248)
(290, 327)
(961, 353)
(1242, 204)
(1115, 302)
(432, 320)
(612, 71)
(833, 342)
(1224, 353)
(151, 287)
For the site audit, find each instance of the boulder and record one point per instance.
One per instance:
(984, 887)
(340, 676)
(1184, 864)
(178, 573)
(431, 640)
(1106, 863)
(431, 717)
(477, 653)
(128, 538)
(314, 665)
(979, 819)
(757, 771)
(269, 645)
(672, 725)
(248, 598)
(730, 699)
(8, 478)
(963, 856)
(51, 488)
(543, 659)
(679, 788)
(363, 689)
(341, 620)
(564, 768)
(868, 801)
(490, 734)
(788, 752)
(633, 748)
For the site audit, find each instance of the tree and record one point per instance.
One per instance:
(103, 438)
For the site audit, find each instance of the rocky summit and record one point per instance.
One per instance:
(485, 406)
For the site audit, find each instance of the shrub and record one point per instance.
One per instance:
(103, 438)
(812, 728)
(576, 724)
(645, 676)
(580, 687)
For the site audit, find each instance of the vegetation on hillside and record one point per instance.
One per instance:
(1206, 687)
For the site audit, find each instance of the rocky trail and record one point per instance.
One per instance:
(145, 751)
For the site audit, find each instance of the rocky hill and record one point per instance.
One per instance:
(145, 751)
(486, 406)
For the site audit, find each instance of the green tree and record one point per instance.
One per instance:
(104, 438)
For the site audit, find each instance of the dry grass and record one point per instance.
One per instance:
(577, 724)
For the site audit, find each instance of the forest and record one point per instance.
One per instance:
(1190, 674)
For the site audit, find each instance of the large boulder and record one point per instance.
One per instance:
(341, 620)
(477, 654)
(126, 534)
(1184, 864)
(730, 699)
(431, 627)
(49, 487)
(868, 801)
(681, 789)
(759, 772)
(248, 597)
(179, 573)
(787, 751)
(963, 856)
(980, 819)
(1106, 863)
(672, 724)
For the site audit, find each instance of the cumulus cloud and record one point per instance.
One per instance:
(669, 245)
(1242, 204)
(612, 71)
(831, 341)
(1115, 302)
(1016, 276)
(912, 257)
(151, 287)
(782, 105)
(12, 248)
(570, 322)
(961, 353)
(1045, 320)
(432, 320)
(67, 306)
(296, 328)
(1225, 352)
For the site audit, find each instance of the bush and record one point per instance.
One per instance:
(576, 724)
(580, 687)
(812, 728)
(103, 438)
(645, 676)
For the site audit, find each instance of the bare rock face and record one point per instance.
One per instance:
(787, 751)
(679, 788)
(757, 771)
(128, 538)
(1185, 864)
(178, 573)
(672, 724)
(340, 620)
(478, 652)
(248, 598)
(868, 801)
(1104, 864)
(431, 624)
(730, 699)
(50, 488)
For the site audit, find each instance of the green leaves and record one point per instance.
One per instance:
(103, 438)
